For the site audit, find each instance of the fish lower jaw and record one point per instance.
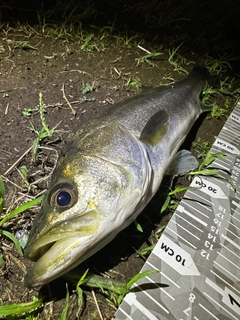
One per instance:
(52, 260)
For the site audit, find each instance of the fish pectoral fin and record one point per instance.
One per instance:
(182, 162)
(155, 129)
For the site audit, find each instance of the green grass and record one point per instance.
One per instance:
(27, 112)
(149, 58)
(219, 112)
(88, 87)
(24, 172)
(17, 309)
(41, 134)
(115, 296)
(113, 290)
(177, 60)
(201, 147)
(204, 169)
(65, 309)
(222, 64)
(25, 45)
(134, 83)
(20, 209)
(130, 42)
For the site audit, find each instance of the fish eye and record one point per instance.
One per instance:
(62, 197)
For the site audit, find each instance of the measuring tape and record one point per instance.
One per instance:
(198, 254)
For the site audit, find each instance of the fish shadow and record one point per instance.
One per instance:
(187, 144)
(148, 286)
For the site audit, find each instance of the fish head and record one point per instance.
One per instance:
(90, 199)
(67, 227)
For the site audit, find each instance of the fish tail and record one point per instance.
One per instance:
(200, 71)
(204, 74)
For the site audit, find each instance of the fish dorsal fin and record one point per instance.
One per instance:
(155, 129)
(182, 162)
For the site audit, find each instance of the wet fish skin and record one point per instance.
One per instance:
(107, 175)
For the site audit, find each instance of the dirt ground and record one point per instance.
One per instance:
(88, 64)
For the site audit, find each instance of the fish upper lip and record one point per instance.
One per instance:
(47, 258)
(56, 250)
(76, 227)
(37, 248)
(37, 254)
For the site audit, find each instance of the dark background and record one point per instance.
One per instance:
(211, 26)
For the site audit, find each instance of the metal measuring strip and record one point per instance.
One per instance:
(198, 254)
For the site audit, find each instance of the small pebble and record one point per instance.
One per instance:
(22, 237)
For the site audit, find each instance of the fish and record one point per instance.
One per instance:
(109, 172)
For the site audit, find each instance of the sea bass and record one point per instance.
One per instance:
(108, 173)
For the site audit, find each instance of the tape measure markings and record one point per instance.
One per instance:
(235, 117)
(188, 222)
(210, 313)
(234, 234)
(232, 133)
(198, 252)
(225, 163)
(233, 225)
(229, 274)
(181, 226)
(193, 217)
(226, 146)
(199, 200)
(220, 305)
(224, 257)
(223, 280)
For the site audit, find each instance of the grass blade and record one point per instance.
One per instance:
(65, 309)
(140, 276)
(13, 239)
(19, 308)
(20, 209)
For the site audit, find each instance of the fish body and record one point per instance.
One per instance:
(107, 175)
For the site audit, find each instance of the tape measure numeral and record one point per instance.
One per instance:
(231, 300)
(224, 145)
(192, 297)
(188, 310)
(217, 222)
(235, 117)
(205, 254)
(214, 229)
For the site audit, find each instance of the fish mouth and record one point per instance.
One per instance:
(38, 248)
(60, 249)
(40, 252)
(53, 260)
